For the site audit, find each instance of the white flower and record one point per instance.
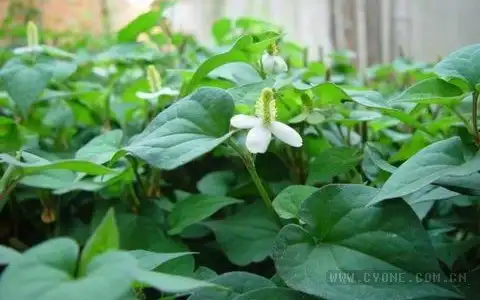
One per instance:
(263, 125)
(273, 64)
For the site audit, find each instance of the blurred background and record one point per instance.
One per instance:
(375, 30)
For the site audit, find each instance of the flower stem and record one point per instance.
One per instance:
(474, 117)
(250, 166)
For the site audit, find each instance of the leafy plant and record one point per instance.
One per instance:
(154, 167)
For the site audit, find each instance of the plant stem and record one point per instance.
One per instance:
(474, 117)
(462, 118)
(250, 166)
(134, 165)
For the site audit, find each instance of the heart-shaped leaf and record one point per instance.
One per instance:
(24, 83)
(341, 241)
(186, 130)
(46, 272)
(247, 236)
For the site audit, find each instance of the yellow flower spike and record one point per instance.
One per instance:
(265, 107)
(32, 35)
(154, 79)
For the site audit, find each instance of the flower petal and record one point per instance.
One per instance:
(258, 139)
(279, 65)
(244, 121)
(286, 134)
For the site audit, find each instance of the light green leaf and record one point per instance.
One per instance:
(247, 236)
(148, 260)
(46, 272)
(342, 237)
(332, 162)
(445, 158)
(194, 209)
(431, 90)
(24, 84)
(170, 283)
(142, 23)
(102, 148)
(241, 51)
(186, 130)
(248, 94)
(461, 67)
(236, 284)
(105, 238)
(42, 165)
(8, 255)
(287, 202)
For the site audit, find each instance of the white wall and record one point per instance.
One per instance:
(424, 29)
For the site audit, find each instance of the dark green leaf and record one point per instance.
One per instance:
(194, 209)
(342, 238)
(332, 162)
(247, 236)
(237, 283)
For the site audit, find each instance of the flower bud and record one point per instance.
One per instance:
(273, 64)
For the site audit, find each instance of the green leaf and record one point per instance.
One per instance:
(142, 23)
(8, 255)
(148, 260)
(332, 162)
(170, 283)
(342, 238)
(105, 238)
(247, 236)
(237, 283)
(24, 84)
(445, 158)
(237, 53)
(450, 250)
(46, 272)
(194, 209)
(241, 51)
(461, 67)
(216, 183)
(186, 130)
(287, 202)
(41, 165)
(204, 273)
(140, 232)
(102, 148)
(248, 94)
(431, 90)
(274, 293)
